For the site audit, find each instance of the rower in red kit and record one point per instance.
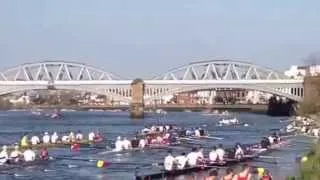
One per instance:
(266, 175)
(244, 174)
(75, 147)
(44, 155)
(98, 137)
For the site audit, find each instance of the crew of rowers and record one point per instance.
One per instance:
(122, 144)
(157, 129)
(193, 132)
(270, 140)
(246, 173)
(16, 155)
(196, 157)
(54, 138)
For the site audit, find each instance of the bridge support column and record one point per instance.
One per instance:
(137, 102)
(311, 90)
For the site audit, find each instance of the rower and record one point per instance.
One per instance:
(54, 138)
(97, 136)
(213, 156)
(118, 144)
(200, 155)
(161, 129)
(79, 136)
(169, 161)
(271, 140)
(16, 155)
(134, 143)
(266, 175)
(239, 152)
(188, 133)
(153, 128)
(24, 141)
(72, 137)
(229, 174)
(201, 132)
(193, 157)
(167, 127)
(46, 138)
(91, 136)
(142, 143)
(145, 130)
(126, 144)
(159, 139)
(44, 155)
(265, 142)
(197, 133)
(213, 175)
(29, 155)
(65, 139)
(275, 138)
(244, 174)
(35, 140)
(4, 157)
(181, 161)
(220, 151)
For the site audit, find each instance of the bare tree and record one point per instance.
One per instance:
(312, 59)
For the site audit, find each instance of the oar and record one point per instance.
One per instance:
(269, 157)
(214, 137)
(76, 159)
(268, 162)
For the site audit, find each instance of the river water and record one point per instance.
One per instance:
(113, 124)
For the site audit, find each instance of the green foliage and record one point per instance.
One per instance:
(310, 170)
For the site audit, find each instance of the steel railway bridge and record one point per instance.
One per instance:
(203, 75)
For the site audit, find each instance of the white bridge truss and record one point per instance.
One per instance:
(192, 77)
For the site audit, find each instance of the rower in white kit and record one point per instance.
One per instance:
(29, 155)
(197, 133)
(213, 155)
(91, 136)
(220, 151)
(118, 145)
(79, 136)
(16, 154)
(169, 161)
(193, 157)
(65, 139)
(181, 161)
(54, 138)
(46, 138)
(238, 152)
(126, 144)
(4, 157)
(35, 140)
(72, 137)
(142, 143)
(271, 140)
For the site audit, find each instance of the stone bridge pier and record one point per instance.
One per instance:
(137, 102)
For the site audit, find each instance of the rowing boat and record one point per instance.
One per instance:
(255, 153)
(13, 165)
(60, 144)
(147, 147)
(178, 172)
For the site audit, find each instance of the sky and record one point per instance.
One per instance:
(142, 38)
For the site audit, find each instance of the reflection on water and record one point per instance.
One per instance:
(14, 124)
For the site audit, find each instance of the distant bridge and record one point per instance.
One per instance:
(194, 76)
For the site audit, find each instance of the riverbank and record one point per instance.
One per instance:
(255, 108)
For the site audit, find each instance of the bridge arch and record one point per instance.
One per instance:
(55, 71)
(114, 96)
(221, 70)
(275, 91)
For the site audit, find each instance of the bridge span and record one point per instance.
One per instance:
(194, 76)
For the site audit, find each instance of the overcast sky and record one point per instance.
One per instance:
(142, 38)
